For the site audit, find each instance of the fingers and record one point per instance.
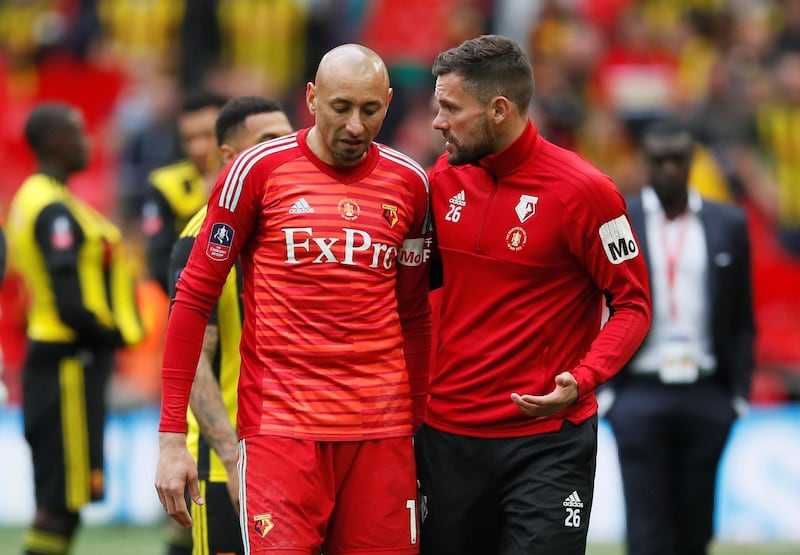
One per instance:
(177, 509)
(538, 405)
(529, 404)
(530, 401)
(174, 473)
(566, 379)
(564, 394)
(174, 504)
(194, 491)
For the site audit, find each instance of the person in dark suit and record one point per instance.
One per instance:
(676, 400)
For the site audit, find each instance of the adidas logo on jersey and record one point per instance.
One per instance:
(301, 207)
(573, 500)
(460, 199)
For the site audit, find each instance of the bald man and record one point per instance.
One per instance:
(332, 233)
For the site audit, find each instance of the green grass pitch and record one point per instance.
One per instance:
(149, 540)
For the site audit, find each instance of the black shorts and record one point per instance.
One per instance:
(64, 411)
(216, 524)
(507, 496)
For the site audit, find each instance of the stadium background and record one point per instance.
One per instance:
(602, 69)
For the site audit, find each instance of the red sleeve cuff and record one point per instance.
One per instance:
(182, 348)
(174, 395)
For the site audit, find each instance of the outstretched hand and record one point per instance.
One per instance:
(175, 471)
(564, 394)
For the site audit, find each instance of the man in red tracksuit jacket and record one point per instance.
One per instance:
(533, 239)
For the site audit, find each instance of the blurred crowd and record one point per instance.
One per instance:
(603, 69)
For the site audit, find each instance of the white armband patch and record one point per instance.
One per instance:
(618, 240)
(413, 252)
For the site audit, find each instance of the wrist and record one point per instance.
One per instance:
(171, 439)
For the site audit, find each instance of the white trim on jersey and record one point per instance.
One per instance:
(404, 160)
(243, 523)
(229, 197)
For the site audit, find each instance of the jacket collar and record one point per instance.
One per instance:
(516, 155)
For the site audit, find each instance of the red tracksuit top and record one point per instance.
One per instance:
(336, 334)
(530, 240)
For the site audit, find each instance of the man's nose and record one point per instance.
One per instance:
(355, 125)
(439, 122)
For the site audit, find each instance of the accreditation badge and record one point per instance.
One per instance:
(679, 360)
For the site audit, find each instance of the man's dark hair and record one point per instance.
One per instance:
(232, 115)
(668, 126)
(491, 66)
(197, 100)
(43, 121)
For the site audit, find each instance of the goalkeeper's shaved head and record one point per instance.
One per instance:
(349, 100)
(352, 60)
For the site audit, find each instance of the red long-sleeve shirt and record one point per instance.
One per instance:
(336, 334)
(530, 239)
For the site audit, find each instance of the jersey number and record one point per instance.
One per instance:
(411, 505)
(573, 519)
(454, 214)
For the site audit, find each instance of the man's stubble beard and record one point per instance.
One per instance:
(482, 144)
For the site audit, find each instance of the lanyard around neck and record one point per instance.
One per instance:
(672, 253)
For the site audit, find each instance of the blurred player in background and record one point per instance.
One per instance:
(82, 308)
(178, 191)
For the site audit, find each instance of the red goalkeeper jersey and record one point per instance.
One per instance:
(336, 334)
